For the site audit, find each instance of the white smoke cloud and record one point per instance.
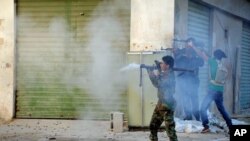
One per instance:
(60, 54)
(131, 66)
(104, 33)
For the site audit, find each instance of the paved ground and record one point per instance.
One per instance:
(84, 130)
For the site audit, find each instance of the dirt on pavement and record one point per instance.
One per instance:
(85, 130)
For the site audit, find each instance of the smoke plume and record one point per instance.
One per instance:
(63, 61)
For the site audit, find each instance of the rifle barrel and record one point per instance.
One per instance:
(182, 69)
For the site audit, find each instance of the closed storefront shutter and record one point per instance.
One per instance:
(245, 69)
(199, 28)
(68, 56)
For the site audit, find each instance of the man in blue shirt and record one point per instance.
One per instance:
(188, 82)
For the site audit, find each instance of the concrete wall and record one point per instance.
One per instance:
(181, 19)
(152, 24)
(7, 59)
(240, 8)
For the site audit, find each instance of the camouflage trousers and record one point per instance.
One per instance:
(162, 113)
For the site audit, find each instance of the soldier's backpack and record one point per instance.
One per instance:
(221, 74)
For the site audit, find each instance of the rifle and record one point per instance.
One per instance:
(158, 67)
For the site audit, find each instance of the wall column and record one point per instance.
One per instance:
(7, 55)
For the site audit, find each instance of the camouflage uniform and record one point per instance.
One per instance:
(164, 110)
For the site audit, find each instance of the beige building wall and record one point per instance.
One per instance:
(7, 59)
(152, 24)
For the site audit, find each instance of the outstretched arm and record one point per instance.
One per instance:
(201, 53)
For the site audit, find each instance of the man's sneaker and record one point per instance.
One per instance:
(205, 130)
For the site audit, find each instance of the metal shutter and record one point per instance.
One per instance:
(199, 28)
(245, 69)
(53, 59)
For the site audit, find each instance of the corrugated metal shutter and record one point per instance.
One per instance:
(55, 59)
(245, 69)
(199, 28)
